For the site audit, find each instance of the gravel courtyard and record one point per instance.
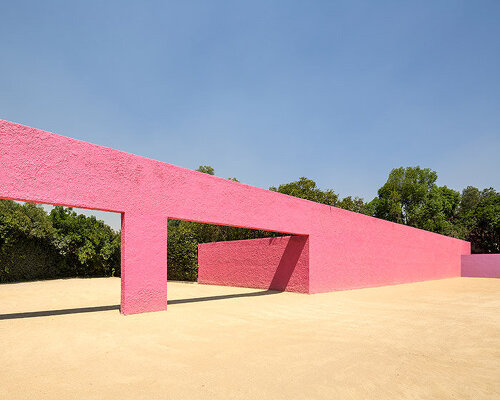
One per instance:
(429, 340)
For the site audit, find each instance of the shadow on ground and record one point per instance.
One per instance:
(49, 313)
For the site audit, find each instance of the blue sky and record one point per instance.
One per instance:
(266, 91)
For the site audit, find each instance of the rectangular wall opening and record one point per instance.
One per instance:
(239, 257)
(49, 249)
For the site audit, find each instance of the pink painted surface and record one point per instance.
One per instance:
(346, 250)
(280, 263)
(481, 265)
(350, 250)
(144, 255)
(366, 254)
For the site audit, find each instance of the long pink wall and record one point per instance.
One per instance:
(351, 250)
(280, 263)
(361, 256)
(481, 265)
(346, 250)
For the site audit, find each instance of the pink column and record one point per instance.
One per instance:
(144, 263)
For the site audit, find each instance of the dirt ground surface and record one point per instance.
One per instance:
(429, 340)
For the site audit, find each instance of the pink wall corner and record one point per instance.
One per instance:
(481, 265)
(280, 263)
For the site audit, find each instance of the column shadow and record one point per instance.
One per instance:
(49, 313)
(66, 311)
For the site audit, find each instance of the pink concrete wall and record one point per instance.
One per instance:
(350, 250)
(357, 255)
(481, 265)
(280, 263)
(346, 250)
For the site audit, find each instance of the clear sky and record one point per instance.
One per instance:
(266, 91)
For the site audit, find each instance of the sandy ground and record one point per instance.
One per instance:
(430, 340)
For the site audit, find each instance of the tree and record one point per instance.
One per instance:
(206, 169)
(438, 212)
(356, 204)
(182, 253)
(410, 196)
(307, 189)
(89, 246)
(479, 215)
(27, 250)
(404, 194)
(471, 196)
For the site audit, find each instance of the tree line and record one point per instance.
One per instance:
(35, 244)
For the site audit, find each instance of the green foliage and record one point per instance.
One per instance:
(206, 169)
(355, 204)
(307, 189)
(404, 194)
(182, 253)
(471, 196)
(27, 250)
(34, 245)
(89, 246)
(438, 211)
(410, 196)
(479, 216)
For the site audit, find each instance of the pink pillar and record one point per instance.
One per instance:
(144, 263)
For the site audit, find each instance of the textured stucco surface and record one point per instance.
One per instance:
(346, 250)
(144, 253)
(280, 263)
(481, 265)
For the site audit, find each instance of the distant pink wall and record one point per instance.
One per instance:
(481, 265)
(280, 263)
(346, 250)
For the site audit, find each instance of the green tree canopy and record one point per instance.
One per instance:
(438, 212)
(90, 247)
(410, 196)
(306, 188)
(401, 198)
(355, 204)
(206, 169)
(479, 215)
(27, 250)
